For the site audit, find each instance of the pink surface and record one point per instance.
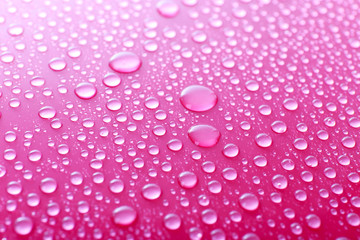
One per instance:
(105, 133)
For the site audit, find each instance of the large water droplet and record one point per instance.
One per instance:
(198, 98)
(47, 112)
(313, 221)
(124, 216)
(167, 8)
(57, 64)
(249, 202)
(85, 90)
(23, 226)
(48, 185)
(125, 62)
(204, 135)
(263, 140)
(151, 191)
(172, 221)
(187, 180)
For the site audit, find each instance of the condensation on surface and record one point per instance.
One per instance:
(179, 119)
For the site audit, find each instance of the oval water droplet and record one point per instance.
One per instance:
(125, 62)
(57, 64)
(198, 98)
(249, 202)
(124, 216)
(204, 135)
(23, 226)
(85, 90)
(167, 8)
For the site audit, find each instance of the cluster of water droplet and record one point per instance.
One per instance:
(164, 119)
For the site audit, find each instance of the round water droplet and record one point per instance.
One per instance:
(116, 186)
(263, 140)
(249, 202)
(14, 188)
(85, 90)
(229, 174)
(250, 236)
(313, 221)
(47, 112)
(279, 181)
(125, 62)
(48, 185)
(15, 30)
(198, 98)
(113, 104)
(37, 82)
(231, 150)
(175, 145)
(111, 80)
(34, 155)
(167, 8)
(152, 103)
(204, 135)
(151, 191)
(252, 86)
(300, 144)
(124, 216)
(187, 180)
(57, 64)
(172, 221)
(353, 219)
(23, 226)
(290, 104)
(348, 142)
(209, 216)
(279, 127)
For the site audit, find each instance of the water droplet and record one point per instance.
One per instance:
(34, 155)
(23, 226)
(204, 135)
(348, 142)
(188, 180)
(175, 145)
(48, 185)
(167, 8)
(15, 30)
(231, 150)
(209, 216)
(279, 127)
(116, 186)
(263, 140)
(151, 191)
(300, 144)
(125, 62)
(279, 181)
(111, 80)
(249, 202)
(47, 112)
(290, 104)
(198, 98)
(313, 221)
(353, 219)
(85, 90)
(172, 221)
(124, 216)
(57, 64)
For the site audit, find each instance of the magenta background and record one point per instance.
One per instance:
(309, 36)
